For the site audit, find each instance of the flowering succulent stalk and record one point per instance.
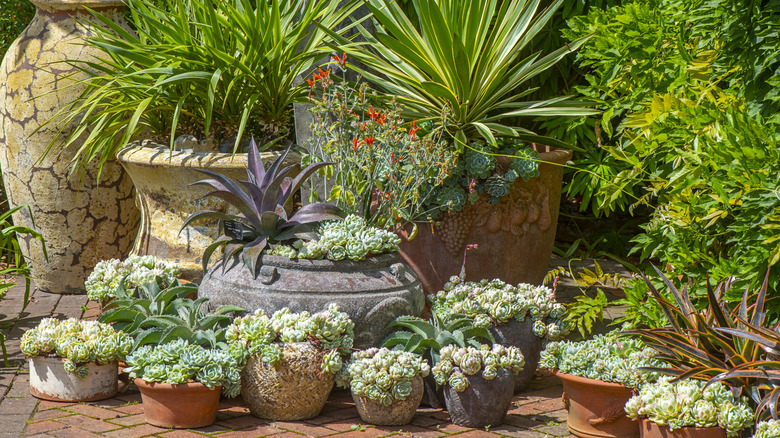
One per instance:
(105, 278)
(608, 358)
(258, 334)
(691, 403)
(181, 362)
(78, 342)
(384, 375)
(495, 302)
(458, 363)
(351, 239)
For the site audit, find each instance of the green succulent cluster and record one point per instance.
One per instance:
(139, 270)
(767, 429)
(525, 164)
(451, 197)
(385, 375)
(258, 334)
(495, 302)
(478, 164)
(496, 186)
(350, 239)
(691, 403)
(457, 363)
(78, 342)
(182, 362)
(608, 358)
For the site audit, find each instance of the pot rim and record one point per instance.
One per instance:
(645, 420)
(63, 359)
(371, 262)
(584, 380)
(73, 4)
(161, 386)
(158, 155)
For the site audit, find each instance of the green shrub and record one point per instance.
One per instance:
(15, 15)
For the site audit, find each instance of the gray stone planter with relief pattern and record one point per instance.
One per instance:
(373, 292)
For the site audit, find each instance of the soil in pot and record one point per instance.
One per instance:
(596, 408)
(483, 403)
(182, 406)
(296, 389)
(521, 335)
(398, 413)
(50, 381)
(648, 429)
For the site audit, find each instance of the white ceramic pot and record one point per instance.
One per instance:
(50, 381)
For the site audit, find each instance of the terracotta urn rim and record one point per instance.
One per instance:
(645, 420)
(189, 386)
(587, 381)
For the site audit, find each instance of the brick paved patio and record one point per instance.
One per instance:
(535, 413)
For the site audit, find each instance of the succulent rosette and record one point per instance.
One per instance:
(457, 364)
(78, 342)
(495, 302)
(139, 270)
(350, 239)
(609, 358)
(767, 429)
(384, 375)
(691, 403)
(181, 362)
(258, 334)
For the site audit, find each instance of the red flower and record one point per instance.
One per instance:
(355, 144)
(413, 129)
(342, 61)
(369, 140)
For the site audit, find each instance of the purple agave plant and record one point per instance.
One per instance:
(262, 219)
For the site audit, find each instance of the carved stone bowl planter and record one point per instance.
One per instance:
(515, 236)
(483, 403)
(373, 292)
(50, 381)
(398, 413)
(521, 335)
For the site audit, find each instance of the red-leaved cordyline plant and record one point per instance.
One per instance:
(262, 220)
(383, 170)
(719, 343)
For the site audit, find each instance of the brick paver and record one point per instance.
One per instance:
(535, 413)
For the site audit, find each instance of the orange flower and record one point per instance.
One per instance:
(355, 144)
(369, 140)
(413, 129)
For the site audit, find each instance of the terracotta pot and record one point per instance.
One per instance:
(648, 429)
(398, 413)
(596, 408)
(182, 406)
(515, 236)
(166, 198)
(50, 381)
(521, 335)
(483, 403)
(82, 221)
(296, 389)
(373, 292)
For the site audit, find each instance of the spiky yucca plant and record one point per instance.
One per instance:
(262, 219)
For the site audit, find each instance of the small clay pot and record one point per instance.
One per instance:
(521, 335)
(296, 389)
(50, 381)
(398, 413)
(596, 408)
(483, 403)
(648, 429)
(182, 406)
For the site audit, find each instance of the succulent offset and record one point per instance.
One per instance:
(263, 220)
(182, 362)
(456, 364)
(76, 341)
(257, 334)
(385, 375)
(691, 403)
(767, 429)
(105, 278)
(495, 302)
(349, 239)
(608, 358)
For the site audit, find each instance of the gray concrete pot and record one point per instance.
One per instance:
(50, 381)
(398, 413)
(373, 292)
(484, 403)
(521, 335)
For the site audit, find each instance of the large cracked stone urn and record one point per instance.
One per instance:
(373, 292)
(515, 237)
(81, 221)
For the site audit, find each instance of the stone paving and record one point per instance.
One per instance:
(536, 413)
